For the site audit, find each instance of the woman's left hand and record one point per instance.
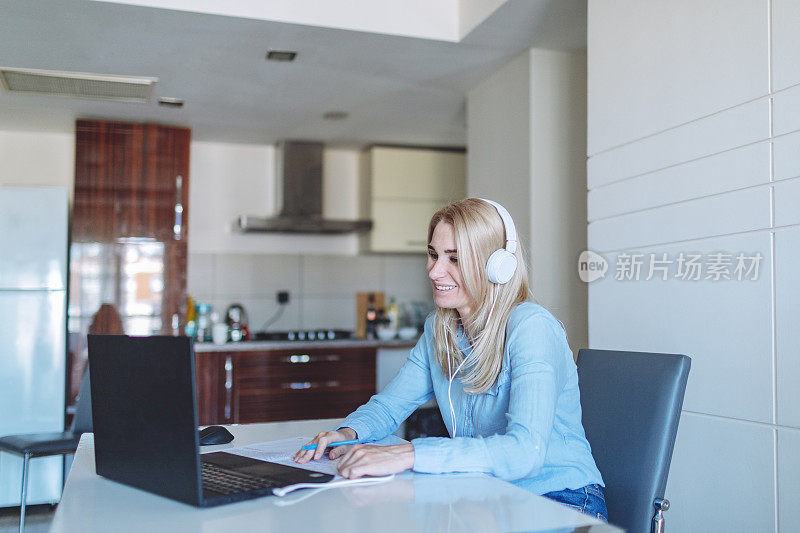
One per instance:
(365, 460)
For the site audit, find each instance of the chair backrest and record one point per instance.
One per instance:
(82, 421)
(631, 404)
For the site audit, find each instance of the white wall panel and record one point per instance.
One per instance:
(686, 135)
(227, 180)
(786, 156)
(558, 186)
(526, 146)
(654, 65)
(788, 476)
(715, 174)
(785, 43)
(731, 212)
(499, 140)
(787, 319)
(787, 202)
(729, 129)
(721, 478)
(786, 111)
(724, 326)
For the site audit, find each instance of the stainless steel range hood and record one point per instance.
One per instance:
(299, 167)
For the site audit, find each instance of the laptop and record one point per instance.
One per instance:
(145, 427)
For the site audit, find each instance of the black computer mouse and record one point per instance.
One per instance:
(215, 435)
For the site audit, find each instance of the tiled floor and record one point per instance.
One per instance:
(37, 519)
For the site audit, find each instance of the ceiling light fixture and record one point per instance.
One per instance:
(281, 55)
(171, 102)
(336, 115)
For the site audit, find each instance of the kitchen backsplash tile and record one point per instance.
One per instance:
(200, 274)
(341, 275)
(406, 278)
(259, 310)
(322, 288)
(247, 275)
(330, 313)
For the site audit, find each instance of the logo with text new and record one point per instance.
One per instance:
(591, 266)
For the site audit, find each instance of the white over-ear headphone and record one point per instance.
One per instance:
(502, 263)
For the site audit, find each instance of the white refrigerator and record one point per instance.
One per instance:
(33, 311)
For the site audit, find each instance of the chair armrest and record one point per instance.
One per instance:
(661, 505)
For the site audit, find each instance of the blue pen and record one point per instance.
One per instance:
(331, 445)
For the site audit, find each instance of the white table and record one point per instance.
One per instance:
(410, 502)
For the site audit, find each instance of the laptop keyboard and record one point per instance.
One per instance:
(229, 482)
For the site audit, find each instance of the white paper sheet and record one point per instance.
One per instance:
(281, 452)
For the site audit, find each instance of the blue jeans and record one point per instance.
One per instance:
(588, 500)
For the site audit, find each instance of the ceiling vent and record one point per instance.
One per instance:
(77, 84)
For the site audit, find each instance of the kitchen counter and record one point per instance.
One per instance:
(250, 346)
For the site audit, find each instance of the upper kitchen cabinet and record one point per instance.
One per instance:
(128, 236)
(403, 187)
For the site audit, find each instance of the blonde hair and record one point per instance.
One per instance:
(478, 231)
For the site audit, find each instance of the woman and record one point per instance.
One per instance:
(499, 367)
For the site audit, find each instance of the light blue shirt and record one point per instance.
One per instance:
(525, 429)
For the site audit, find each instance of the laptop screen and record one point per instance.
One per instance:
(144, 413)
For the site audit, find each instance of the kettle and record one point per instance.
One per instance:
(236, 318)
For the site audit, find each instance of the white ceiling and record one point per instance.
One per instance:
(396, 89)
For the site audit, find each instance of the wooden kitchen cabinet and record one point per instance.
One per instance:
(404, 224)
(272, 385)
(213, 396)
(417, 173)
(128, 237)
(402, 188)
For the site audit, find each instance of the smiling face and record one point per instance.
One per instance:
(448, 289)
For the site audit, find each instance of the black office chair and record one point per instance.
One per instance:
(631, 405)
(30, 445)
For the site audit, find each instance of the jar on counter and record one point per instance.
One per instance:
(204, 322)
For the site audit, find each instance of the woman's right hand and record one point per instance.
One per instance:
(322, 440)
